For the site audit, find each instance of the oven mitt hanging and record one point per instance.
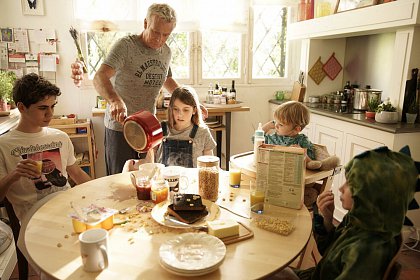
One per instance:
(332, 67)
(316, 72)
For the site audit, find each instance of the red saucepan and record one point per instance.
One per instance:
(142, 131)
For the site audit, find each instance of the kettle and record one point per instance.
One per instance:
(142, 131)
(362, 97)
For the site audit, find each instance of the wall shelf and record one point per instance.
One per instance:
(376, 19)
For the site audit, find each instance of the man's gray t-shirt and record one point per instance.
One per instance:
(140, 74)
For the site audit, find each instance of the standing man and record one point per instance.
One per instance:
(140, 64)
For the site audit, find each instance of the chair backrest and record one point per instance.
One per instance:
(394, 267)
(15, 225)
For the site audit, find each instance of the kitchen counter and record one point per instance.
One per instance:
(10, 121)
(358, 118)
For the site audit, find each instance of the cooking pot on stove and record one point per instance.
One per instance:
(362, 97)
(142, 131)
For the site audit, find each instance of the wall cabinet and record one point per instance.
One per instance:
(82, 136)
(376, 45)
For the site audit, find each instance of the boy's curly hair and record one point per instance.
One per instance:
(32, 88)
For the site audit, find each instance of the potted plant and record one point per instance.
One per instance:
(373, 104)
(386, 113)
(7, 80)
(411, 114)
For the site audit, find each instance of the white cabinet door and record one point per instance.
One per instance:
(356, 145)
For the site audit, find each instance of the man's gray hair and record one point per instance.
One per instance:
(163, 11)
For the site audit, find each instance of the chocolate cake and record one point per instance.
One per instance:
(187, 216)
(188, 202)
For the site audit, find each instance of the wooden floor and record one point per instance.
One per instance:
(409, 260)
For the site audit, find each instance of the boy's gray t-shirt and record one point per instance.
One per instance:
(140, 74)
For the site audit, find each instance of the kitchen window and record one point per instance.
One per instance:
(245, 41)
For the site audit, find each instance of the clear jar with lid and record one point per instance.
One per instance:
(208, 177)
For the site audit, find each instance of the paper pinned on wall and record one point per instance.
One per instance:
(47, 63)
(18, 72)
(21, 43)
(31, 60)
(32, 70)
(42, 40)
(3, 56)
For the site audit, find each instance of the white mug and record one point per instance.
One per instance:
(172, 174)
(93, 248)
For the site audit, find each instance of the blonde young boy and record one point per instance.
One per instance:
(290, 118)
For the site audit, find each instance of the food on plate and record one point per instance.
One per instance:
(187, 216)
(188, 202)
(223, 228)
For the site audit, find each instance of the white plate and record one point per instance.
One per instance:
(188, 273)
(192, 252)
(236, 105)
(159, 211)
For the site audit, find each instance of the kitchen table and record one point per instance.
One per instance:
(134, 246)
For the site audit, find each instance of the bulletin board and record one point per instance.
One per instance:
(26, 51)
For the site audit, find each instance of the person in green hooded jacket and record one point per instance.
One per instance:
(379, 186)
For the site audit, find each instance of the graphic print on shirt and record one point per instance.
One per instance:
(150, 72)
(50, 165)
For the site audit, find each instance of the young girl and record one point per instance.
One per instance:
(185, 135)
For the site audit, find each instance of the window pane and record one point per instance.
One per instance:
(269, 54)
(98, 45)
(180, 64)
(221, 55)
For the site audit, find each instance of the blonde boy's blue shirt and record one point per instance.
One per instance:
(301, 139)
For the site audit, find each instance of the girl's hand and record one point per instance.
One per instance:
(132, 165)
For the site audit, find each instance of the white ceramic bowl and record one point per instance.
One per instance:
(145, 170)
(386, 117)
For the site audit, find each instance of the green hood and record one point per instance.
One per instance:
(383, 184)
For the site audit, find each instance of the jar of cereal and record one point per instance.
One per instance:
(208, 177)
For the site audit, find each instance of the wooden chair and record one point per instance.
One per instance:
(15, 225)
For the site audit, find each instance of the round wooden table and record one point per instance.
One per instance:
(134, 246)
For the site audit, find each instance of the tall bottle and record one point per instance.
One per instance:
(232, 94)
(259, 139)
(302, 10)
(347, 91)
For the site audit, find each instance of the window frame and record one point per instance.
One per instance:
(246, 63)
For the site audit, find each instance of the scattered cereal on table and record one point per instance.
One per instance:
(59, 245)
(223, 199)
(83, 197)
(244, 200)
(66, 236)
(230, 199)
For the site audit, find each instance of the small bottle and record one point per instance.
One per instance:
(302, 10)
(209, 99)
(223, 96)
(259, 139)
(309, 9)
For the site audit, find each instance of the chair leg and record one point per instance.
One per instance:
(22, 265)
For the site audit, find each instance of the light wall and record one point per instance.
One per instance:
(59, 16)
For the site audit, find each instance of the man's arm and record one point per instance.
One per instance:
(77, 174)
(170, 84)
(103, 85)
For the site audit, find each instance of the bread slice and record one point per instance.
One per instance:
(186, 216)
(188, 202)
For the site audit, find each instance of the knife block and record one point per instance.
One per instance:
(298, 92)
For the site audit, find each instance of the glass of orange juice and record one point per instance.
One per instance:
(235, 178)
(257, 196)
(37, 157)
